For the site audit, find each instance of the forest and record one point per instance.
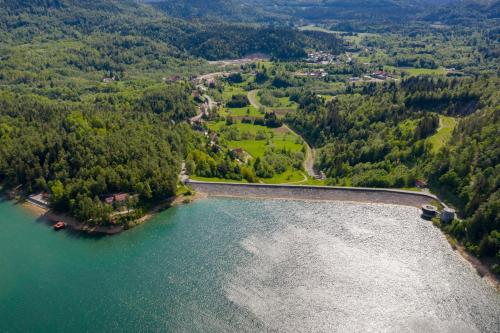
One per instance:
(70, 19)
(96, 98)
(81, 152)
(379, 136)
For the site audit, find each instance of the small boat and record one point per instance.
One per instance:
(59, 225)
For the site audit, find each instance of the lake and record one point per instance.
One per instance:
(231, 265)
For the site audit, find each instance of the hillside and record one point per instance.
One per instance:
(105, 121)
(355, 15)
(56, 19)
(95, 100)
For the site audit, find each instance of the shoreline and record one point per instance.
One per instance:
(75, 225)
(481, 269)
(169, 203)
(71, 222)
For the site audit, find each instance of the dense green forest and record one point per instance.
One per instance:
(85, 113)
(95, 98)
(70, 19)
(80, 152)
(341, 15)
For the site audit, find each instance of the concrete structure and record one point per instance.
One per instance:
(429, 211)
(447, 215)
(320, 193)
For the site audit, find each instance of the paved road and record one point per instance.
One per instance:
(211, 106)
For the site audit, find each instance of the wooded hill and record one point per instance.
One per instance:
(55, 19)
(379, 136)
(375, 13)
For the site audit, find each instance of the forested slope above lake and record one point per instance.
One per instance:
(97, 100)
(86, 107)
(381, 136)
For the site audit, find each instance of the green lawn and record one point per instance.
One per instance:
(217, 180)
(241, 112)
(417, 71)
(241, 127)
(257, 148)
(443, 135)
(277, 138)
(314, 182)
(289, 176)
(284, 105)
(425, 71)
(230, 90)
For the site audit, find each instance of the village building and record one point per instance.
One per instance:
(116, 198)
(41, 199)
(381, 75)
(237, 151)
(109, 79)
(321, 57)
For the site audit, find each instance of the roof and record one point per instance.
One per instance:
(121, 197)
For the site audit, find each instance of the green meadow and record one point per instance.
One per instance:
(443, 135)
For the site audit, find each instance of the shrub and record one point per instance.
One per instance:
(238, 101)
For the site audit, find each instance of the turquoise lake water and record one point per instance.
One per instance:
(229, 265)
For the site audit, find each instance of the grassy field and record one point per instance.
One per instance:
(217, 180)
(289, 176)
(269, 138)
(241, 112)
(230, 90)
(278, 138)
(315, 28)
(443, 135)
(423, 71)
(283, 103)
(417, 71)
(354, 39)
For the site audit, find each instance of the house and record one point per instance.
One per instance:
(204, 108)
(108, 79)
(320, 57)
(40, 199)
(237, 151)
(116, 198)
(420, 183)
(381, 75)
(214, 137)
(121, 197)
(211, 83)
